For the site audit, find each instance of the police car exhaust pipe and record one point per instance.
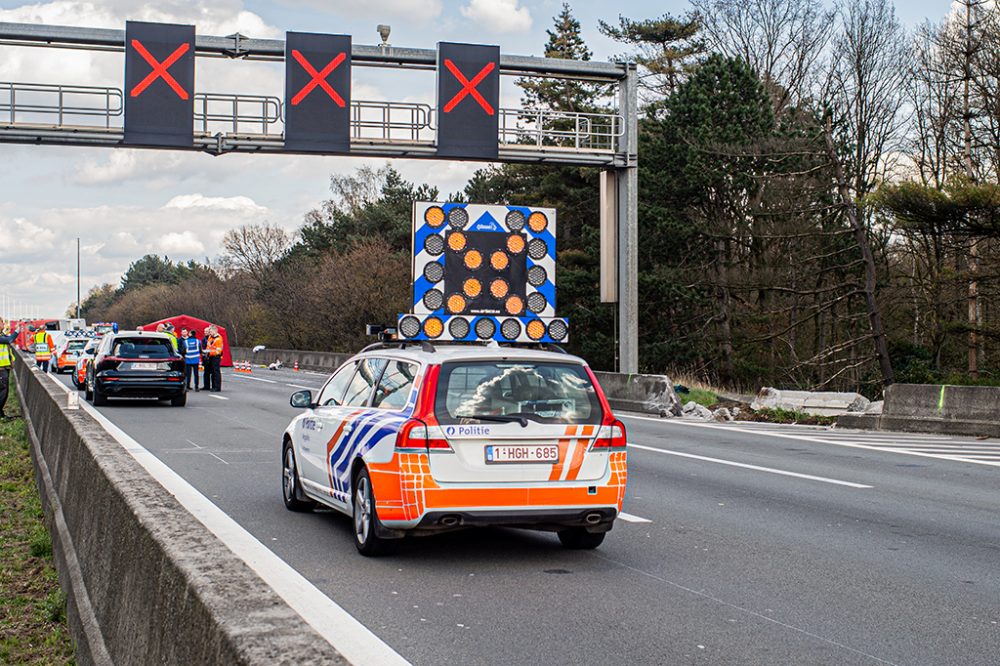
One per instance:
(450, 521)
(593, 518)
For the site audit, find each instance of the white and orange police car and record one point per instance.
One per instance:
(416, 438)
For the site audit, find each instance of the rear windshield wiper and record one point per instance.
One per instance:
(498, 419)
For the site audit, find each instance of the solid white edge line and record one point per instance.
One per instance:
(758, 468)
(803, 438)
(629, 518)
(356, 642)
(302, 387)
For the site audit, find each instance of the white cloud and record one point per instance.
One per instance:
(215, 17)
(245, 204)
(21, 238)
(219, 17)
(120, 166)
(38, 249)
(185, 243)
(498, 15)
(384, 11)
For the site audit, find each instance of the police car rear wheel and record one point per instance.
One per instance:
(366, 517)
(290, 491)
(577, 538)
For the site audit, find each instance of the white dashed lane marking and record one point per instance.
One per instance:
(757, 468)
(629, 518)
(941, 447)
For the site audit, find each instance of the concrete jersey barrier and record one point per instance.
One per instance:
(308, 360)
(645, 394)
(934, 408)
(146, 583)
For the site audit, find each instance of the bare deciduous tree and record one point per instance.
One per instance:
(785, 41)
(254, 248)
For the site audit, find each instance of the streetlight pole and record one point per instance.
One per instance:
(77, 277)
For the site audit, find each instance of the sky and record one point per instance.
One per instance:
(125, 203)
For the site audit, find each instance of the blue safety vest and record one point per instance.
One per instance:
(192, 350)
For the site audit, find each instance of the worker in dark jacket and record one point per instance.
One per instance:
(213, 361)
(6, 362)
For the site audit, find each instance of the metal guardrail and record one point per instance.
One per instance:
(542, 128)
(390, 121)
(247, 119)
(35, 103)
(237, 114)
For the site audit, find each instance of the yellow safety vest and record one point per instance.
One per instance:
(42, 351)
(5, 355)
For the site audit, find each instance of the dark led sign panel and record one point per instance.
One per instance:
(159, 84)
(317, 92)
(468, 100)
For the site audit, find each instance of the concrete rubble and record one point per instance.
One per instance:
(816, 403)
(722, 414)
(692, 410)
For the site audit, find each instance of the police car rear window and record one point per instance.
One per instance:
(142, 348)
(538, 391)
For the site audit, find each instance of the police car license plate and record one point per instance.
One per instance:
(522, 454)
(143, 366)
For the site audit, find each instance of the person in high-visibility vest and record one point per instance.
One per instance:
(6, 361)
(191, 349)
(44, 346)
(213, 350)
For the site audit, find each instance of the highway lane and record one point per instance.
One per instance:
(738, 565)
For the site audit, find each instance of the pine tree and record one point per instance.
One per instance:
(566, 43)
(666, 49)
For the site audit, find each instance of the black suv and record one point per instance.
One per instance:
(136, 365)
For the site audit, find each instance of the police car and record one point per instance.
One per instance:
(419, 438)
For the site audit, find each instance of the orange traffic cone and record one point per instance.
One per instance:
(249, 368)
(296, 366)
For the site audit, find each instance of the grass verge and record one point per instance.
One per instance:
(787, 416)
(33, 628)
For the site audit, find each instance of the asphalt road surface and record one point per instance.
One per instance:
(743, 544)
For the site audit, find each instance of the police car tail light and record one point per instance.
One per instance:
(414, 434)
(422, 431)
(436, 439)
(611, 435)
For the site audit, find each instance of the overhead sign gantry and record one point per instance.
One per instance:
(160, 107)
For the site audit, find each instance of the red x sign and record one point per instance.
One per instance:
(318, 78)
(159, 69)
(468, 87)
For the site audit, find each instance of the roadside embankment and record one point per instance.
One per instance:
(934, 408)
(146, 582)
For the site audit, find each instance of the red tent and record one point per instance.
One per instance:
(198, 326)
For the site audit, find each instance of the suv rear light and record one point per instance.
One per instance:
(611, 435)
(414, 435)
